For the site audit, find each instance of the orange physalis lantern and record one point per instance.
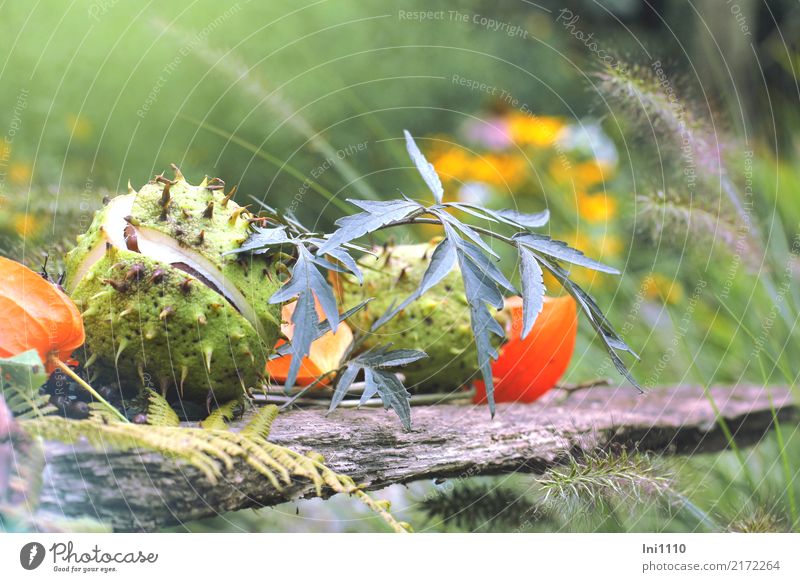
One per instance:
(34, 314)
(527, 368)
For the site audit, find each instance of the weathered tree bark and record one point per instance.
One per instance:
(143, 491)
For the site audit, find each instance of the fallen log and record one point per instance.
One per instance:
(143, 491)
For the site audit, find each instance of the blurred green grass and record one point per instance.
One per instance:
(112, 97)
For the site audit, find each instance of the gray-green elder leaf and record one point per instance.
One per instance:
(378, 380)
(515, 218)
(305, 283)
(486, 264)
(321, 329)
(392, 392)
(375, 215)
(480, 290)
(389, 359)
(561, 251)
(262, 239)
(443, 259)
(343, 383)
(465, 229)
(425, 168)
(531, 276)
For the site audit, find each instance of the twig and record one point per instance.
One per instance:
(595, 383)
(85, 385)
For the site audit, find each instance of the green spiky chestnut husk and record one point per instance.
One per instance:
(163, 305)
(438, 323)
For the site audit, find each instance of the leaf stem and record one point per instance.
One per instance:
(85, 385)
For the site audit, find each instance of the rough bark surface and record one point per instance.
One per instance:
(143, 491)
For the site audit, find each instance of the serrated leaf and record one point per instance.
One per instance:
(618, 344)
(425, 168)
(341, 254)
(443, 259)
(343, 383)
(348, 261)
(392, 392)
(507, 216)
(389, 359)
(486, 264)
(472, 209)
(589, 306)
(598, 321)
(305, 283)
(480, 290)
(515, 218)
(478, 286)
(378, 214)
(305, 320)
(370, 390)
(465, 229)
(261, 239)
(305, 279)
(483, 324)
(532, 289)
(321, 329)
(378, 380)
(561, 251)
(327, 265)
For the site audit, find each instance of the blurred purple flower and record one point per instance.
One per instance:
(492, 133)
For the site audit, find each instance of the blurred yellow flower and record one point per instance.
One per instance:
(588, 174)
(657, 287)
(79, 126)
(534, 129)
(502, 170)
(19, 172)
(452, 164)
(597, 207)
(25, 225)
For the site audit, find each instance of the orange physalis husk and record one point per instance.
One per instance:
(34, 314)
(527, 368)
(324, 356)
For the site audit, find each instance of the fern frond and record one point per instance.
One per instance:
(159, 412)
(24, 405)
(261, 424)
(20, 378)
(220, 417)
(172, 442)
(100, 413)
